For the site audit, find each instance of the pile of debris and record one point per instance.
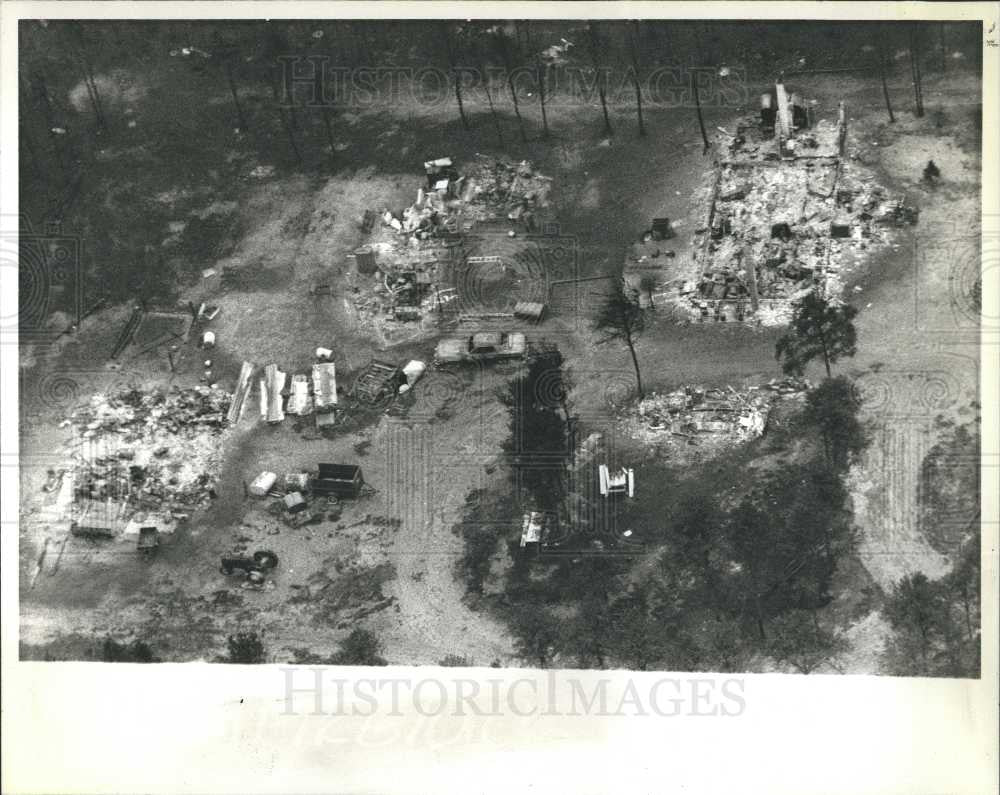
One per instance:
(697, 416)
(411, 256)
(787, 214)
(501, 186)
(300, 498)
(448, 203)
(154, 451)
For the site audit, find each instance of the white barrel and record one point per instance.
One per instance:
(208, 339)
(262, 484)
(413, 370)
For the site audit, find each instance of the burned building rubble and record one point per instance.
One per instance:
(406, 273)
(788, 213)
(694, 420)
(136, 453)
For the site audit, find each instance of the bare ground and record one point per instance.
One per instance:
(388, 561)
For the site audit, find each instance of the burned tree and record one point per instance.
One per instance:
(918, 88)
(818, 330)
(697, 97)
(880, 45)
(503, 44)
(450, 50)
(621, 318)
(648, 283)
(599, 74)
(634, 47)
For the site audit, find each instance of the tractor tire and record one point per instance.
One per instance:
(265, 560)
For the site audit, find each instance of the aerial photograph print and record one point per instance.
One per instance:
(646, 345)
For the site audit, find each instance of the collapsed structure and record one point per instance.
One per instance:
(785, 211)
(142, 459)
(416, 264)
(707, 419)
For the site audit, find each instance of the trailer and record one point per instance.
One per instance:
(339, 480)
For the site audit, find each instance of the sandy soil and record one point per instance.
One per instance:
(387, 562)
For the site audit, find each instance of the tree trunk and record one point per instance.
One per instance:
(505, 55)
(517, 109)
(635, 76)
(285, 126)
(236, 99)
(915, 72)
(30, 148)
(697, 96)
(826, 350)
(449, 49)
(329, 131)
(95, 99)
(541, 73)
(608, 130)
(635, 363)
(493, 110)
(701, 121)
(88, 77)
(881, 70)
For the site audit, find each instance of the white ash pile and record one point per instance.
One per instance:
(697, 416)
(778, 232)
(149, 449)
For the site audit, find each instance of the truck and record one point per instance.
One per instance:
(484, 346)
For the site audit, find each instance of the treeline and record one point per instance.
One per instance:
(936, 623)
(95, 163)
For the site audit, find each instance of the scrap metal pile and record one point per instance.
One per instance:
(155, 450)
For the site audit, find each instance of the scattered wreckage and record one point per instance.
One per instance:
(408, 271)
(787, 213)
(695, 419)
(254, 568)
